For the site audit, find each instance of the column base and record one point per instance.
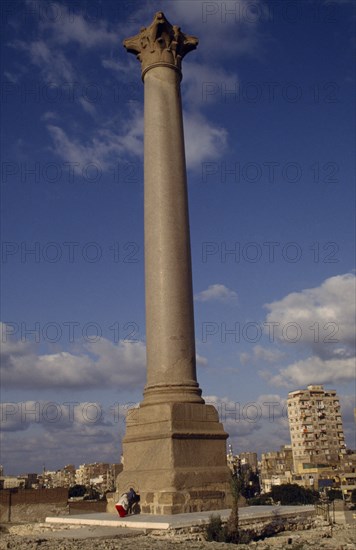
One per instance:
(175, 457)
(172, 393)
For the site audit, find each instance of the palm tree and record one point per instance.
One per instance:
(232, 525)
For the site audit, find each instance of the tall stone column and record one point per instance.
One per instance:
(171, 371)
(174, 448)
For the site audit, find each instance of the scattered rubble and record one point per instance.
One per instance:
(49, 537)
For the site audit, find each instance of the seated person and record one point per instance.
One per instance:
(126, 503)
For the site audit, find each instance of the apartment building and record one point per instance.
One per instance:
(99, 474)
(276, 468)
(86, 472)
(316, 429)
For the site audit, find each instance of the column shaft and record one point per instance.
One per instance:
(171, 367)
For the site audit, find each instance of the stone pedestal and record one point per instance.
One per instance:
(175, 456)
(175, 447)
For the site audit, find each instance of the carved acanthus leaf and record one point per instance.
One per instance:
(160, 43)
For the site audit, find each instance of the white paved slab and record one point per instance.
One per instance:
(147, 521)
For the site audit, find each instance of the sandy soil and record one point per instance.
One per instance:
(34, 536)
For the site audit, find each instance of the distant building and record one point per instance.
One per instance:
(248, 459)
(65, 477)
(47, 480)
(276, 468)
(232, 460)
(31, 480)
(242, 461)
(316, 430)
(348, 462)
(86, 472)
(100, 475)
(10, 482)
(348, 484)
(23, 481)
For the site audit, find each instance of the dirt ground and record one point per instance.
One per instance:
(35, 536)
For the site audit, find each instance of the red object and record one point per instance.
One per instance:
(121, 510)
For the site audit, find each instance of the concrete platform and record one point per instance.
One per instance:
(177, 521)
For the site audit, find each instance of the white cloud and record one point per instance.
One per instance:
(238, 418)
(224, 27)
(320, 321)
(324, 316)
(82, 443)
(48, 115)
(53, 64)
(348, 404)
(266, 354)
(258, 425)
(64, 26)
(14, 78)
(203, 141)
(206, 20)
(87, 105)
(261, 354)
(121, 68)
(315, 370)
(59, 28)
(90, 432)
(202, 361)
(100, 364)
(58, 67)
(52, 415)
(217, 292)
(104, 146)
(204, 83)
(64, 432)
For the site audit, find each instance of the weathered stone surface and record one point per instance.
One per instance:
(175, 455)
(32, 505)
(170, 341)
(160, 44)
(175, 446)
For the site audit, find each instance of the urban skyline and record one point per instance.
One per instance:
(316, 457)
(229, 413)
(267, 99)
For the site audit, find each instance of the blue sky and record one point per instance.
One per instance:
(270, 140)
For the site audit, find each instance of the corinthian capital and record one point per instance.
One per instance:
(160, 44)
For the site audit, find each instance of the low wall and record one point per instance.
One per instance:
(87, 507)
(4, 505)
(261, 525)
(32, 504)
(111, 499)
(275, 523)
